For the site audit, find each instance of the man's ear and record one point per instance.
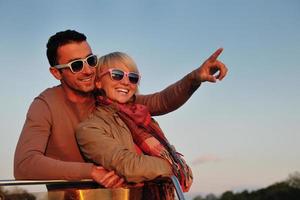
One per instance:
(55, 72)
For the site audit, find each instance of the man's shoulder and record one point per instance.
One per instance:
(51, 93)
(52, 97)
(46, 101)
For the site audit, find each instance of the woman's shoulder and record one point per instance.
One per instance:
(104, 113)
(101, 117)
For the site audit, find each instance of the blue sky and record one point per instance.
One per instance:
(240, 133)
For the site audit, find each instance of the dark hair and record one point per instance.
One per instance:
(60, 39)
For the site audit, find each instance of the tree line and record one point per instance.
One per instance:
(285, 190)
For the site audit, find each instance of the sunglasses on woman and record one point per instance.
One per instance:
(118, 75)
(78, 65)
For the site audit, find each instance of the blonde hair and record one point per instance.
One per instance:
(109, 59)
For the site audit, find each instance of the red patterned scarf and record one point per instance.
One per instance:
(149, 137)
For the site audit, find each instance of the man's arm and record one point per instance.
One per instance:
(178, 93)
(30, 161)
(170, 98)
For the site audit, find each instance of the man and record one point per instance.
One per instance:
(47, 147)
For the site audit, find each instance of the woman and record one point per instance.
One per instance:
(120, 135)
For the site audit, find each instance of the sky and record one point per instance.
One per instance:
(239, 133)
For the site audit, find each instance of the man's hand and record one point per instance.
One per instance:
(108, 179)
(208, 70)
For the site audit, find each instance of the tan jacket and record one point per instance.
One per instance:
(106, 140)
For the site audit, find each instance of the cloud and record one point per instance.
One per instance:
(205, 159)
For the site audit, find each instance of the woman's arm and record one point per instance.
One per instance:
(98, 145)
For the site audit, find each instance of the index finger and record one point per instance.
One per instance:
(215, 55)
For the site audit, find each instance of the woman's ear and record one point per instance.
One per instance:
(98, 83)
(55, 72)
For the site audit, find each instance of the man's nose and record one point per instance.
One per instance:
(87, 69)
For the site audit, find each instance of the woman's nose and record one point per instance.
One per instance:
(125, 80)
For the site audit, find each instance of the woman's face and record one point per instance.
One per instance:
(119, 91)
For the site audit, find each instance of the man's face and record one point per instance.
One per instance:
(82, 81)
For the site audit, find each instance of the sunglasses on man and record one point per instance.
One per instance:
(118, 75)
(78, 65)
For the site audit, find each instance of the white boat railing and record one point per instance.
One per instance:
(73, 190)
